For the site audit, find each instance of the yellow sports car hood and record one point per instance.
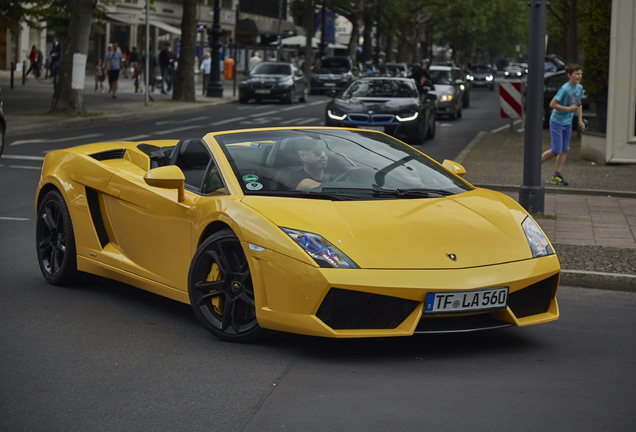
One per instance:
(476, 228)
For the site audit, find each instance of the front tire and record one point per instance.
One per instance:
(55, 240)
(221, 291)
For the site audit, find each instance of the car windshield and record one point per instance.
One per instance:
(381, 88)
(344, 164)
(271, 69)
(440, 76)
(333, 63)
(481, 69)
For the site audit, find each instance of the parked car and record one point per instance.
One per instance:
(331, 73)
(483, 76)
(553, 63)
(390, 242)
(449, 89)
(397, 70)
(387, 104)
(273, 80)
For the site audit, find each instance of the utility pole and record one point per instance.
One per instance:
(215, 86)
(531, 193)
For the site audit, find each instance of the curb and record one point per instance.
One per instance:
(599, 280)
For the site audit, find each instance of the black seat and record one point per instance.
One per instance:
(192, 156)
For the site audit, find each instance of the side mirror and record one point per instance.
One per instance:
(454, 167)
(167, 177)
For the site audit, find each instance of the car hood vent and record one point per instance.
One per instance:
(109, 154)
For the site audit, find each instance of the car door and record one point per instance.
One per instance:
(152, 228)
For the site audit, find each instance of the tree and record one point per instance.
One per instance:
(68, 97)
(184, 80)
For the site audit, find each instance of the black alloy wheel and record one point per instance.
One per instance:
(55, 240)
(221, 290)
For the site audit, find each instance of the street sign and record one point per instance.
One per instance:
(510, 99)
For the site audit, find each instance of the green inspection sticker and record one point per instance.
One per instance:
(250, 178)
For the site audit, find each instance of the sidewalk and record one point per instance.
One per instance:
(591, 223)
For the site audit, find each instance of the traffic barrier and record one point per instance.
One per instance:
(511, 99)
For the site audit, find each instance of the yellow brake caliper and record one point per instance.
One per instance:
(214, 275)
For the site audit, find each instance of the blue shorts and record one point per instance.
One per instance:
(560, 137)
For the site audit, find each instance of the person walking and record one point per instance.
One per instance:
(35, 59)
(115, 59)
(166, 63)
(254, 60)
(56, 58)
(206, 68)
(566, 102)
(153, 69)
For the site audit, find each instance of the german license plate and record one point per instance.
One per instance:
(375, 128)
(330, 84)
(262, 91)
(466, 301)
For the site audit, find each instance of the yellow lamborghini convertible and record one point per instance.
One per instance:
(319, 231)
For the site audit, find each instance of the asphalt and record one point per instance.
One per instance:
(591, 222)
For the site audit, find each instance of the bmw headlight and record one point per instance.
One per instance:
(406, 117)
(334, 115)
(446, 98)
(324, 253)
(489, 78)
(536, 239)
(286, 82)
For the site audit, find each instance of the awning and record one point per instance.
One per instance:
(137, 21)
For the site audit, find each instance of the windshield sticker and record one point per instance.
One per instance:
(254, 186)
(250, 178)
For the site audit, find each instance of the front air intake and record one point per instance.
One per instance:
(534, 299)
(353, 310)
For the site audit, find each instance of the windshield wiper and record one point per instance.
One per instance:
(325, 193)
(412, 193)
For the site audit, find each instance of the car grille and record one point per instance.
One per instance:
(353, 310)
(263, 85)
(109, 154)
(92, 199)
(329, 77)
(534, 299)
(372, 119)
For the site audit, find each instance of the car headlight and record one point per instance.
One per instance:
(461, 86)
(335, 116)
(446, 98)
(407, 117)
(489, 78)
(286, 83)
(324, 253)
(506, 73)
(536, 239)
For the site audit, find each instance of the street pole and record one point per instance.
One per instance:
(215, 86)
(531, 193)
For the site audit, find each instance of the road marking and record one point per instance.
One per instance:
(19, 157)
(301, 120)
(159, 123)
(222, 122)
(14, 218)
(265, 113)
(26, 167)
(177, 130)
(35, 141)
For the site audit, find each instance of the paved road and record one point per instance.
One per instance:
(106, 357)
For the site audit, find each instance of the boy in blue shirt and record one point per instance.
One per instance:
(566, 102)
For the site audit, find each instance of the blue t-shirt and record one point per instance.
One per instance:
(566, 96)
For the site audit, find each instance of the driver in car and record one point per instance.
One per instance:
(314, 164)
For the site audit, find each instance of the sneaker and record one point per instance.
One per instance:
(558, 179)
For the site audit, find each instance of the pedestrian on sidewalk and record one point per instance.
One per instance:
(56, 58)
(206, 68)
(254, 60)
(35, 65)
(100, 75)
(166, 64)
(115, 60)
(566, 102)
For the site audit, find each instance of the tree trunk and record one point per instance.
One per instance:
(68, 96)
(184, 80)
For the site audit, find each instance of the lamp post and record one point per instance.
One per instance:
(531, 193)
(215, 87)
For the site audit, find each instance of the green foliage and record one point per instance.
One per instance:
(596, 46)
